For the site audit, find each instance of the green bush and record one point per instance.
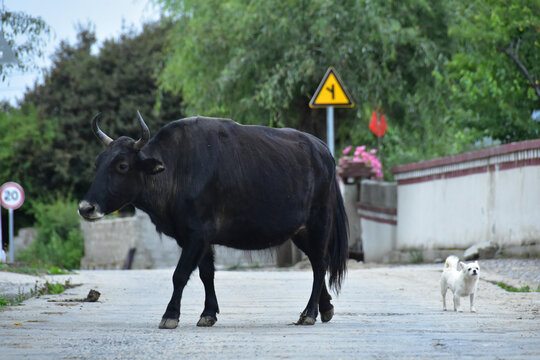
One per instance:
(59, 239)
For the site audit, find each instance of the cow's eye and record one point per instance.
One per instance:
(122, 167)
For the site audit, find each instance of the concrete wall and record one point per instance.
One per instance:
(371, 211)
(456, 202)
(377, 211)
(25, 237)
(351, 195)
(108, 241)
(285, 255)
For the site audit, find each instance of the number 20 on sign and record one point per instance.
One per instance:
(12, 198)
(12, 195)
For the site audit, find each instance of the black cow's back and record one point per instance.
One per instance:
(257, 185)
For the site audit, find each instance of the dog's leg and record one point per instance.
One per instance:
(457, 306)
(443, 293)
(473, 309)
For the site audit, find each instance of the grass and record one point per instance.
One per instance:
(514, 289)
(48, 288)
(21, 296)
(53, 270)
(45, 289)
(54, 288)
(416, 257)
(5, 301)
(34, 270)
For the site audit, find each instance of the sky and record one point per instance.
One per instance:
(108, 17)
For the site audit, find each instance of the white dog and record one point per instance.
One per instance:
(461, 278)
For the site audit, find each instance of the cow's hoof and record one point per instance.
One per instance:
(168, 323)
(305, 320)
(327, 315)
(206, 321)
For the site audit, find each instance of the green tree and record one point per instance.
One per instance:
(494, 73)
(26, 35)
(59, 239)
(118, 81)
(260, 62)
(25, 142)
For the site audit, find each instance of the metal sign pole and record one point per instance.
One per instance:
(11, 250)
(330, 128)
(11, 197)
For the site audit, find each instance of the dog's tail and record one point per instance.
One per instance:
(451, 262)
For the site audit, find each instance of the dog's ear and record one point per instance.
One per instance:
(462, 265)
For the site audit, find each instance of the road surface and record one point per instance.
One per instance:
(382, 312)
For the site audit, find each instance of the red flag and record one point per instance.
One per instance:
(378, 124)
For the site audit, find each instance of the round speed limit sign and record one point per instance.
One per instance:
(11, 195)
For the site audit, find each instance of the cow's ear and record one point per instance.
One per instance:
(151, 166)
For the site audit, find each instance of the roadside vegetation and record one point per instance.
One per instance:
(39, 289)
(47, 288)
(59, 243)
(33, 270)
(510, 288)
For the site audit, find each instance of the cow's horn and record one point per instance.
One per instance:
(145, 133)
(104, 138)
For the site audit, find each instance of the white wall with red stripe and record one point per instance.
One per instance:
(456, 202)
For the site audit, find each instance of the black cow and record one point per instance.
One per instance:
(206, 181)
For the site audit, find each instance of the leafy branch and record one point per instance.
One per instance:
(513, 53)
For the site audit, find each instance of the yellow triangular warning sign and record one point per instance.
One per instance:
(331, 92)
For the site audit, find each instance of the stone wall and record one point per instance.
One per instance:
(107, 243)
(25, 237)
(285, 255)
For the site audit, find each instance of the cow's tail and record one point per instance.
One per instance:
(339, 243)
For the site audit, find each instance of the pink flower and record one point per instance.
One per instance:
(365, 157)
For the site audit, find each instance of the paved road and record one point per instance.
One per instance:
(382, 312)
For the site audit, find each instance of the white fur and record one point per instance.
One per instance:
(461, 279)
(3, 257)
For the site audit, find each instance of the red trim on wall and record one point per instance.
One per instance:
(376, 209)
(379, 220)
(471, 156)
(471, 171)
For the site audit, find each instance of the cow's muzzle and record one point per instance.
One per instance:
(89, 211)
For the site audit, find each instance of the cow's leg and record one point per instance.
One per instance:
(187, 263)
(206, 273)
(309, 315)
(325, 306)
(313, 242)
